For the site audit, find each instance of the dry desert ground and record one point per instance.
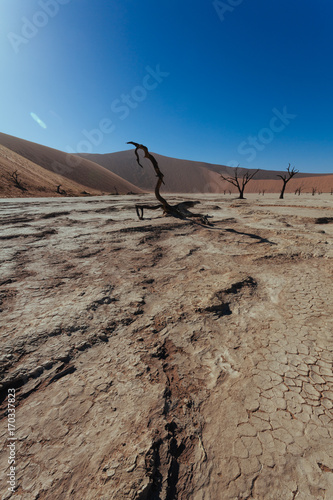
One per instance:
(165, 359)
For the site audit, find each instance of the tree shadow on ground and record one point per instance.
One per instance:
(251, 235)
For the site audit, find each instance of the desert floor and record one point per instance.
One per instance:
(163, 359)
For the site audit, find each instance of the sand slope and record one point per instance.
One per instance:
(184, 176)
(34, 179)
(85, 174)
(120, 173)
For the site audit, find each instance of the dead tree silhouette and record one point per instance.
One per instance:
(60, 191)
(180, 210)
(240, 182)
(15, 177)
(286, 178)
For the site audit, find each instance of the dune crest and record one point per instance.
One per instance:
(42, 168)
(185, 176)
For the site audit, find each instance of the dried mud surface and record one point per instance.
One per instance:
(162, 359)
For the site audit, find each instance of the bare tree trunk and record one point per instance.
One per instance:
(286, 178)
(181, 209)
(283, 190)
(240, 182)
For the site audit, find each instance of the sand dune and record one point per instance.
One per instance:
(54, 167)
(34, 179)
(42, 168)
(179, 175)
(184, 176)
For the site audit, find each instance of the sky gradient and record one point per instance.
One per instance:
(226, 82)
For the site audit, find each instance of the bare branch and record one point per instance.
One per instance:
(60, 191)
(291, 171)
(248, 177)
(240, 184)
(159, 174)
(15, 177)
(181, 209)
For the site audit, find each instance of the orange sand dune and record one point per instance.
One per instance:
(43, 168)
(55, 167)
(35, 180)
(179, 175)
(184, 176)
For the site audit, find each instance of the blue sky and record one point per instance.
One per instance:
(227, 82)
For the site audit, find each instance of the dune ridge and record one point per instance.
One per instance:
(185, 176)
(42, 168)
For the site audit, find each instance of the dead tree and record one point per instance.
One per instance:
(286, 178)
(240, 181)
(180, 210)
(60, 191)
(16, 180)
(314, 190)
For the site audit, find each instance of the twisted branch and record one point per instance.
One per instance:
(181, 209)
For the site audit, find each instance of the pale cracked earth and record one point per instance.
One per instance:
(162, 359)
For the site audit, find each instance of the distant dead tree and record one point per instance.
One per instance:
(180, 210)
(263, 192)
(116, 191)
(286, 178)
(240, 181)
(60, 191)
(313, 191)
(298, 190)
(15, 178)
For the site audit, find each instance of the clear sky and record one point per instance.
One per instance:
(227, 82)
